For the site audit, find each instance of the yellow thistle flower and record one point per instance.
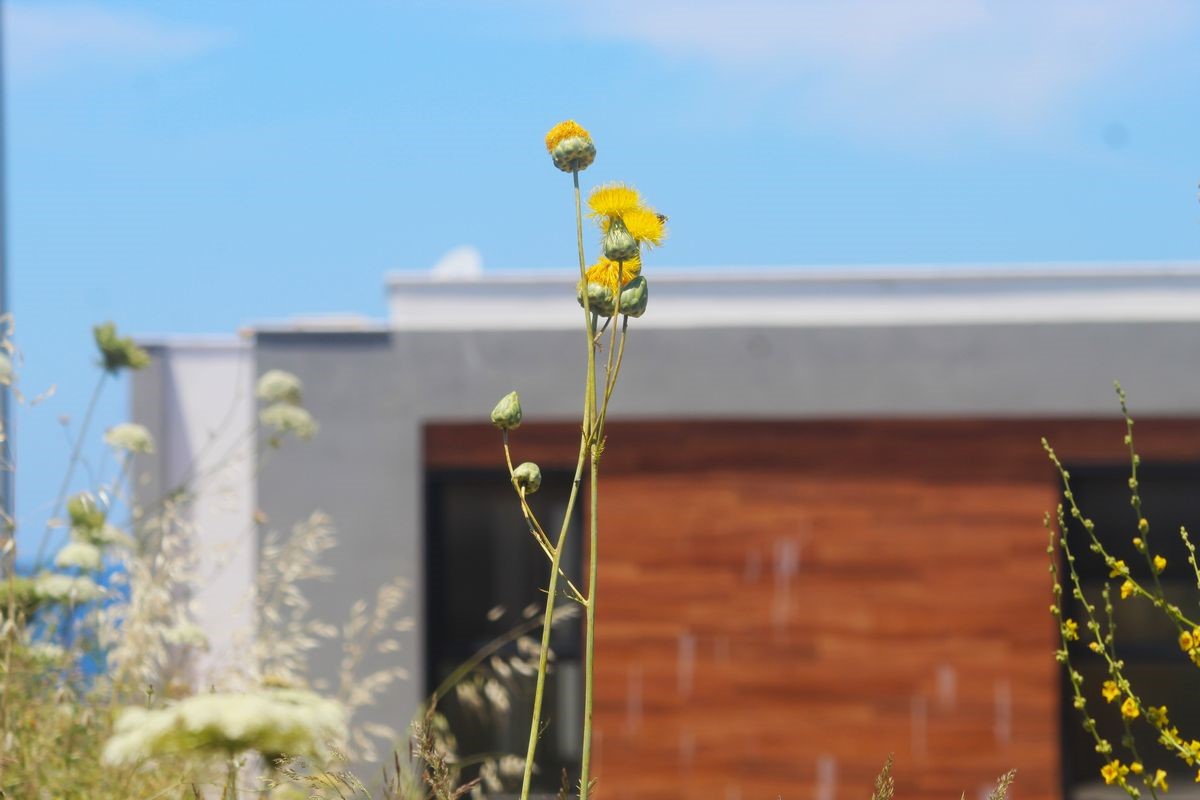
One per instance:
(570, 146)
(612, 200)
(1186, 642)
(1070, 630)
(563, 131)
(1160, 780)
(646, 225)
(1129, 709)
(613, 274)
(1160, 564)
(1128, 588)
(1114, 772)
(1136, 768)
(1110, 691)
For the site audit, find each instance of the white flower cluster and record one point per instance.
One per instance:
(79, 555)
(284, 414)
(272, 722)
(66, 588)
(130, 437)
(278, 386)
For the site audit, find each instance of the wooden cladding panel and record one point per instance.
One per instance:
(783, 604)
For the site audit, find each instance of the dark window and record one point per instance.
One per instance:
(481, 558)
(1146, 639)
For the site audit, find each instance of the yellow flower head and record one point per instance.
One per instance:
(1070, 630)
(613, 274)
(612, 200)
(1114, 772)
(1129, 709)
(1110, 691)
(1128, 588)
(1136, 768)
(1160, 780)
(646, 225)
(1118, 568)
(1095, 647)
(1160, 563)
(1186, 642)
(563, 131)
(1138, 544)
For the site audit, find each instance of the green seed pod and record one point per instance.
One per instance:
(527, 476)
(600, 299)
(573, 154)
(507, 414)
(619, 244)
(634, 297)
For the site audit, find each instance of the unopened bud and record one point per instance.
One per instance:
(507, 414)
(599, 297)
(634, 297)
(528, 477)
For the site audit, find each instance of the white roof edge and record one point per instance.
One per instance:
(1032, 271)
(195, 341)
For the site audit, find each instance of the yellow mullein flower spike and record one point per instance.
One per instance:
(612, 200)
(1129, 709)
(613, 274)
(646, 225)
(1110, 691)
(563, 131)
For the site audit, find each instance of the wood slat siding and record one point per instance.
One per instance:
(783, 604)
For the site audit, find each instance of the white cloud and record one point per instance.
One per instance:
(43, 39)
(918, 64)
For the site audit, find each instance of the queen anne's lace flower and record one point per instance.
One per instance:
(279, 386)
(54, 587)
(287, 418)
(272, 722)
(79, 555)
(130, 437)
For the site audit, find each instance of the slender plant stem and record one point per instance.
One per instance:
(585, 443)
(590, 653)
(66, 483)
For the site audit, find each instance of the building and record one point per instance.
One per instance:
(822, 501)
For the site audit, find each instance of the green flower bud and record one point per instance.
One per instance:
(84, 512)
(600, 299)
(634, 297)
(574, 154)
(507, 414)
(619, 244)
(527, 476)
(118, 352)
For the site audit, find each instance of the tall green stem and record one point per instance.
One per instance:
(590, 653)
(585, 443)
(66, 483)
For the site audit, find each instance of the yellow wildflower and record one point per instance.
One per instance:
(613, 274)
(1138, 544)
(563, 131)
(1129, 709)
(646, 225)
(1160, 780)
(612, 200)
(1160, 563)
(1095, 647)
(1128, 588)
(1110, 691)
(1186, 642)
(1136, 768)
(1118, 569)
(1114, 772)
(1070, 630)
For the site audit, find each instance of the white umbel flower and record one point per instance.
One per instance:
(60, 588)
(279, 386)
(287, 418)
(272, 722)
(130, 437)
(79, 555)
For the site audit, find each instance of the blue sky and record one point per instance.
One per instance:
(195, 166)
